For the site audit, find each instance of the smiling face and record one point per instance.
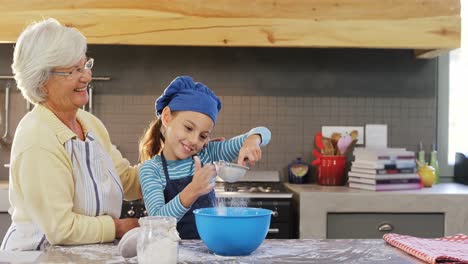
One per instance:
(68, 93)
(186, 132)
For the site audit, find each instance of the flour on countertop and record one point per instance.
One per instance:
(301, 251)
(275, 251)
(94, 253)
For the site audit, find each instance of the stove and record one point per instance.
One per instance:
(252, 190)
(261, 189)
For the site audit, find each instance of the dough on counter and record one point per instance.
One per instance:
(128, 244)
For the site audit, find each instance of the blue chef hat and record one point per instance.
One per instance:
(183, 94)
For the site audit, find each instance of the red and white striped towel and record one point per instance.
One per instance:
(451, 249)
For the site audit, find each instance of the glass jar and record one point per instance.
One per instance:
(158, 240)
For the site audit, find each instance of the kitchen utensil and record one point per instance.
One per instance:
(328, 148)
(230, 172)
(5, 141)
(354, 134)
(460, 169)
(232, 231)
(317, 156)
(318, 141)
(343, 144)
(90, 100)
(334, 140)
(351, 146)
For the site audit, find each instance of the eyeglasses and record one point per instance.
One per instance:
(77, 72)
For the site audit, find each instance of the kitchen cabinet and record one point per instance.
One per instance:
(340, 211)
(375, 225)
(430, 27)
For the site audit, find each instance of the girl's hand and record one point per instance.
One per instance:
(203, 182)
(203, 178)
(250, 151)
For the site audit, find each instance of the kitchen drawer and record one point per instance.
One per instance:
(374, 225)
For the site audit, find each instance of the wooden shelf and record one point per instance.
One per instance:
(430, 26)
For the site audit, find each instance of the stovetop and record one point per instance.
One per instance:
(252, 187)
(252, 190)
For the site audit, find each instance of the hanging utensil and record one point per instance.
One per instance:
(28, 106)
(5, 140)
(90, 101)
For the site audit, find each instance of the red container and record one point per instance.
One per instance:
(331, 170)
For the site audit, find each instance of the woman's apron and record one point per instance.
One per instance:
(186, 225)
(98, 191)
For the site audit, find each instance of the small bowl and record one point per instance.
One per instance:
(232, 231)
(230, 172)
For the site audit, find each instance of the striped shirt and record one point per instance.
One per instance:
(153, 180)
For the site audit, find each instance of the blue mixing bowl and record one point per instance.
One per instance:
(232, 231)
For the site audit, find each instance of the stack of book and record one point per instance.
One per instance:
(388, 169)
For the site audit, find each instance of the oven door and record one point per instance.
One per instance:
(282, 218)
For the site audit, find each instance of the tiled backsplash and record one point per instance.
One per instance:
(293, 121)
(291, 91)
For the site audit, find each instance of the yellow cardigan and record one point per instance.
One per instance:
(41, 186)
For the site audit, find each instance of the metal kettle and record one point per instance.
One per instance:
(461, 168)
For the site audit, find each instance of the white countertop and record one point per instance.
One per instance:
(441, 189)
(360, 251)
(315, 201)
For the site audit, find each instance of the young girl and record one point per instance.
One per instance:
(178, 176)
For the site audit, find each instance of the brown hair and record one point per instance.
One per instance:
(152, 141)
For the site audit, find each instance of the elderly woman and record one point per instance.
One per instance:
(67, 180)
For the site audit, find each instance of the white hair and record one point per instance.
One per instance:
(41, 47)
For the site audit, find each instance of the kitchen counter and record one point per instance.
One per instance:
(271, 251)
(316, 202)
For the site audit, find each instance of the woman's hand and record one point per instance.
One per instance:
(250, 151)
(202, 183)
(122, 226)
